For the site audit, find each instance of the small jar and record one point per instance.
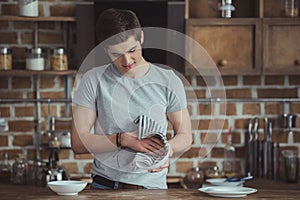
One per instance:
(65, 139)
(291, 8)
(5, 59)
(195, 178)
(35, 59)
(19, 170)
(213, 172)
(29, 8)
(59, 60)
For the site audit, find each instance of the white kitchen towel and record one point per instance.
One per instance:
(148, 127)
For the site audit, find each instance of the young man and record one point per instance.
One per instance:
(110, 98)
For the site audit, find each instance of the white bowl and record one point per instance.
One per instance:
(223, 182)
(67, 187)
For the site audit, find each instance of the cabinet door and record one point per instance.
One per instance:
(233, 44)
(281, 44)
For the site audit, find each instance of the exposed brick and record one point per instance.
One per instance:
(296, 136)
(62, 10)
(238, 93)
(9, 9)
(71, 167)
(3, 82)
(280, 136)
(19, 52)
(274, 80)
(24, 111)
(273, 109)
(213, 124)
(22, 25)
(218, 152)
(191, 153)
(10, 94)
(295, 107)
(277, 93)
(21, 125)
(64, 114)
(8, 38)
(47, 82)
(230, 109)
(190, 109)
(51, 38)
(209, 138)
(294, 79)
(3, 25)
(206, 81)
(46, 26)
(88, 168)
(84, 156)
(11, 153)
(229, 80)
(241, 123)
(23, 140)
(3, 140)
(188, 79)
(52, 95)
(236, 138)
(251, 80)
(21, 82)
(204, 109)
(62, 154)
(4, 112)
(191, 94)
(251, 109)
(207, 164)
(183, 167)
(48, 110)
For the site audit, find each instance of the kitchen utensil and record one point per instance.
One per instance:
(249, 147)
(255, 148)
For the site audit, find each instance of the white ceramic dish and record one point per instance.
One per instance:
(67, 187)
(223, 182)
(222, 191)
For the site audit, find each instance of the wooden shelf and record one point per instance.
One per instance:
(32, 72)
(38, 19)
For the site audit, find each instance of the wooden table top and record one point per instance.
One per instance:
(26, 192)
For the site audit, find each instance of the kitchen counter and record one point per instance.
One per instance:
(281, 191)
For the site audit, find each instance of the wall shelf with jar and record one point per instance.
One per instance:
(245, 38)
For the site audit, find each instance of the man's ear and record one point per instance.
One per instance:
(142, 37)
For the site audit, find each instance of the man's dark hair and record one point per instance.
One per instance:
(117, 21)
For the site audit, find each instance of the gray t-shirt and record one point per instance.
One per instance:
(118, 100)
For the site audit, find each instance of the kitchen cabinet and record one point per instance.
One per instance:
(256, 40)
(233, 44)
(281, 46)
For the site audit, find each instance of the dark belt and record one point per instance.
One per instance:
(108, 183)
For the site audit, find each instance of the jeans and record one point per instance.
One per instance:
(99, 186)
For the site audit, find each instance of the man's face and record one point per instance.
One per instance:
(126, 55)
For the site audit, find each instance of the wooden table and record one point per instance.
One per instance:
(280, 192)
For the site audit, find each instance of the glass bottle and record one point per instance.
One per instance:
(229, 156)
(213, 172)
(19, 170)
(5, 169)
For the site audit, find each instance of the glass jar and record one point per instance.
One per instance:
(19, 170)
(59, 60)
(65, 139)
(5, 169)
(5, 59)
(35, 59)
(213, 172)
(28, 8)
(194, 178)
(291, 8)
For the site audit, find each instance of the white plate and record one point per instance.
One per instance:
(223, 182)
(221, 191)
(67, 187)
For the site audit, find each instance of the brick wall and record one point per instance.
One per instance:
(22, 123)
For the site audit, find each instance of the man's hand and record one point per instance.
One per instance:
(152, 145)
